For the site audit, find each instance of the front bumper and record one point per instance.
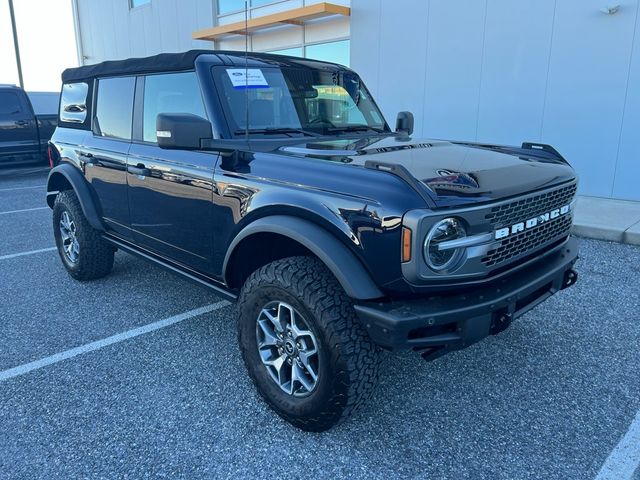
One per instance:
(436, 325)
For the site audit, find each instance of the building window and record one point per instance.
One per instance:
(170, 93)
(138, 3)
(233, 6)
(114, 109)
(336, 52)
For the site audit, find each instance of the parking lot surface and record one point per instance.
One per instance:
(551, 397)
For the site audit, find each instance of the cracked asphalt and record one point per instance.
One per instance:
(548, 398)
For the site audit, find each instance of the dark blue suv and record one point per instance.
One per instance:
(277, 182)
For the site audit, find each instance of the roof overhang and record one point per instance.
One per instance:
(295, 16)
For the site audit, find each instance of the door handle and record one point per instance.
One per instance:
(86, 155)
(20, 122)
(140, 169)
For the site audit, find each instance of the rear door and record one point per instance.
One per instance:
(105, 153)
(170, 191)
(18, 130)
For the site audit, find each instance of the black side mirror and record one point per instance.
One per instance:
(404, 123)
(182, 131)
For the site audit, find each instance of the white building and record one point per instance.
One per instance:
(563, 72)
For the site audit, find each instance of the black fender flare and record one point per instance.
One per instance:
(74, 177)
(341, 261)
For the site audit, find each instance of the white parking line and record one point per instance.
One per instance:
(21, 188)
(24, 210)
(31, 252)
(624, 460)
(120, 337)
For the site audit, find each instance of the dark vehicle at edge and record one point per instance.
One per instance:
(25, 126)
(276, 182)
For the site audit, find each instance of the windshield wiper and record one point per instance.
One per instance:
(275, 131)
(356, 128)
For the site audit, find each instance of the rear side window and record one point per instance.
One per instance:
(170, 93)
(114, 108)
(73, 105)
(9, 103)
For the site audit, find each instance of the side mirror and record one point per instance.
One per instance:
(404, 123)
(182, 131)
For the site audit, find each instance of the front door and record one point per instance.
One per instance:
(18, 129)
(170, 191)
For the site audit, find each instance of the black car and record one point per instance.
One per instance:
(277, 182)
(27, 122)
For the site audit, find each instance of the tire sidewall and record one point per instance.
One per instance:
(286, 405)
(58, 209)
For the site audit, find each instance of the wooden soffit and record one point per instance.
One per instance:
(295, 16)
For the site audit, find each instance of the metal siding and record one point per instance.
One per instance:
(627, 176)
(455, 32)
(557, 71)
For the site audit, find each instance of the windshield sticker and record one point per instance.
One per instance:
(247, 78)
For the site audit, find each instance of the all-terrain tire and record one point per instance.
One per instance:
(347, 361)
(94, 256)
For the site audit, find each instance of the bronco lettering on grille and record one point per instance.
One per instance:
(531, 223)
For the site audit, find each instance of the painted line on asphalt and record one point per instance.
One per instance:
(21, 188)
(120, 337)
(624, 460)
(23, 210)
(31, 252)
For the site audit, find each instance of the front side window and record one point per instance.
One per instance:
(73, 105)
(170, 93)
(114, 108)
(313, 101)
(9, 103)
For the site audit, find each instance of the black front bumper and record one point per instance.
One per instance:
(436, 325)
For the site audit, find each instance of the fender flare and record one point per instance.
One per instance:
(74, 177)
(342, 262)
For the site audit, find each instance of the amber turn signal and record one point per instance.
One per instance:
(406, 244)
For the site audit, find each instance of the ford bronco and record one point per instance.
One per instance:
(277, 182)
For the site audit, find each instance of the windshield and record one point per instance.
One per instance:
(296, 101)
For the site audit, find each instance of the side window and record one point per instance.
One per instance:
(73, 106)
(9, 103)
(169, 93)
(114, 107)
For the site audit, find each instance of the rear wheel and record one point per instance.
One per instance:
(306, 352)
(84, 253)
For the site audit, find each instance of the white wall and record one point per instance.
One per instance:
(110, 30)
(554, 71)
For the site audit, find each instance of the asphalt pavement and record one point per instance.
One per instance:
(550, 398)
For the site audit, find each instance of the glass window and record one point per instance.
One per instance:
(307, 100)
(73, 107)
(9, 103)
(293, 52)
(138, 3)
(336, 52)
(230, 6)
(114, 108)
(171, 93)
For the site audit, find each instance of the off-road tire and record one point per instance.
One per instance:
(95, 258)
(348, 364)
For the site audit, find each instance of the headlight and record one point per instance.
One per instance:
(443, 231)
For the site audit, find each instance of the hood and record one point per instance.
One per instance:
(451, 174)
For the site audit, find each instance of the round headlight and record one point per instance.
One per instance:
(443, 231)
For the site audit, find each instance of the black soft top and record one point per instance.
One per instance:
(175, 62)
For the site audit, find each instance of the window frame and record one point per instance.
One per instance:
(138, 105)
(145, 4)
(94, 112)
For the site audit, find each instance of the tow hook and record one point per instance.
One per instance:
(570, 277)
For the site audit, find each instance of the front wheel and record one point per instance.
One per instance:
(306, 352)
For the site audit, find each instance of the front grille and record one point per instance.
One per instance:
(520, 210)
(533, 238)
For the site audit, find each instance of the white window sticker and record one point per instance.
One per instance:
(247, 78)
